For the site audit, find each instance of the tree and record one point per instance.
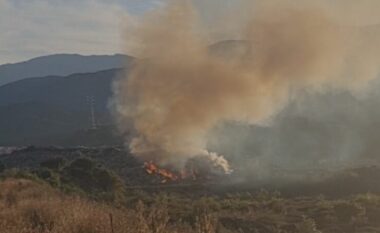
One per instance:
(2, 167)
(99, 182)
(54, 163)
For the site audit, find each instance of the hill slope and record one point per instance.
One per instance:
(60, 65)
(50, 109)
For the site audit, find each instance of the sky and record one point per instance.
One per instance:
(31, 28)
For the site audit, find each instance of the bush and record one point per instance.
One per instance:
(307, 226)
(49, 176)
(54, 164)
(2, 167)
(98, 182)
(83, 163)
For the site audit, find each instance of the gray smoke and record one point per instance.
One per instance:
(181, 91)
(316, 133)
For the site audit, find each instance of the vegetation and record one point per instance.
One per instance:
(80, 191)
(80, 196)
(81, 176)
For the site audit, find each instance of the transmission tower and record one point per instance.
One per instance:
(91, 101)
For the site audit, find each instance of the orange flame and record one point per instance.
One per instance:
(153, 169)
(190, 172)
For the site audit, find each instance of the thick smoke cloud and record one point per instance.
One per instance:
(179, 90)
(315, 134)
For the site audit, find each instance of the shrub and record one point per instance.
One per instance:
(54, 163)
(307, 226)
(98, 182)
(2, 167)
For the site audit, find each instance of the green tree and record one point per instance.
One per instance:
(2, 167)
(54, 163)
(99, 182)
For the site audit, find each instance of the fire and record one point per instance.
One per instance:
(153, 169)
(199, 170)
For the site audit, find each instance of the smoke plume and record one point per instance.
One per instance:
(179, 89)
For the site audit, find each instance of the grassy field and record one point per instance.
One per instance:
(34, 206)
(77, 194)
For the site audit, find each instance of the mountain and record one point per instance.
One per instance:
(70, 92)
(60, 65)
(53, 109)
(43, 103)
(28, 122)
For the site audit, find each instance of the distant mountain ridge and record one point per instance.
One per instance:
(46, 110)
(61, 65)
(46, 100)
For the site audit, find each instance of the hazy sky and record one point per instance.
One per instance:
(31, 28)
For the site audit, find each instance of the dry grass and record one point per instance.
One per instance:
(30, 207)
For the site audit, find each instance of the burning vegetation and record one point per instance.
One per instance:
(195, 170)
(166, 175)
